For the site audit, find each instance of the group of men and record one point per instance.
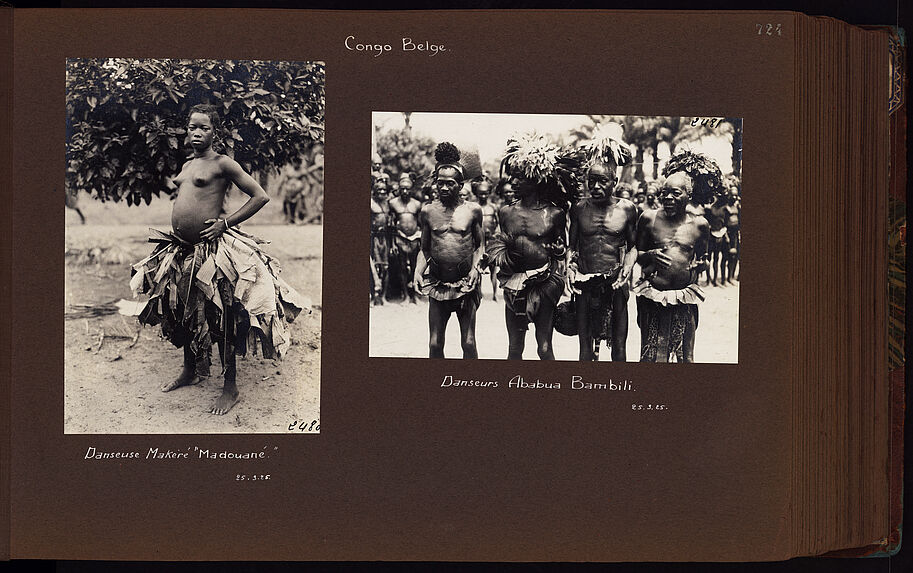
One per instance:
(395, 233)
(537, 251)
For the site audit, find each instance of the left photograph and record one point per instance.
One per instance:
(194, 246)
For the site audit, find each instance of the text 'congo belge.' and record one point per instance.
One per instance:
(379, 49)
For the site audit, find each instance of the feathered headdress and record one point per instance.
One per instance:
(606, 147)
(531, 156)
(446, 154)
(569, 169)
(705, 174)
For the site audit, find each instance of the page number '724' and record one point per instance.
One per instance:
(770, 29)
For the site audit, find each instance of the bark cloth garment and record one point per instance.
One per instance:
(190, 286)
(408, 244)
(598, 287)
(719, 239)
(456, 294)
(667, 321)
(525, 292)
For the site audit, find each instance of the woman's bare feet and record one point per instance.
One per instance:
(225, 402)
(188, 377)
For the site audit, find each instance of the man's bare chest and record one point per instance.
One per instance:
(458, 220)
(532, 223)
(611, 220)
(684, 234)
(399, 208)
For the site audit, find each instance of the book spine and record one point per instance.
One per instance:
(897, 279)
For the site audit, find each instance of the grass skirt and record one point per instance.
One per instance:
(527, 293)
(668, 322)
(196, 289)
(596, 289)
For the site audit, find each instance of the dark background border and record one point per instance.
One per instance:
(854, 12)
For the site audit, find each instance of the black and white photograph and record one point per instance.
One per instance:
(555, 237)
(194, 241)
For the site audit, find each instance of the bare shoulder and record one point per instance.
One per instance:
(227, 163)
(577, 207)
(629, 208)
(186, 165)
(554, 210)
(648, 217)
(428, 208)
(475, 208)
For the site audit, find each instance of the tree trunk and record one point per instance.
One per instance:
(737, 149)
(407, 116)
(639, 164)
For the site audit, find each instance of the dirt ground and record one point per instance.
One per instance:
(401, 330)
(113, 387)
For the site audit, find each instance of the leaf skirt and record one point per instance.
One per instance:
(226, 290)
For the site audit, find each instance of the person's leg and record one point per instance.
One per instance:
(230, 395)
(690, 333)
(466, 314)
(380, 289)
(493, 269)
(619, 302)
(584, 336)
(194, 365)
(724, 260)
(438, 315)
(410, 272)
(663, 317)
(545, 327)
(516, 333)
(734, 248)
(714, 254)
(380, 259)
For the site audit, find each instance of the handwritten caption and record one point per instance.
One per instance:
(520, 383)
(190, 453)
(378, 49)
(574, 384)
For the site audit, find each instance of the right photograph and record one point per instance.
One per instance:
(555, 237)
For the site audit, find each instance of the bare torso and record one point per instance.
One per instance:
(489, 219)
(378, 216)
(405, 211)
(532, 229)
(732, 216)
(715, 216)
(677, 239)
(601, 231)
(201, 193)
(452, 233)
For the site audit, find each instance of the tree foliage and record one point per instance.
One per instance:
(401, 151)
(126, 119)
(730, 128)
(645, 133)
